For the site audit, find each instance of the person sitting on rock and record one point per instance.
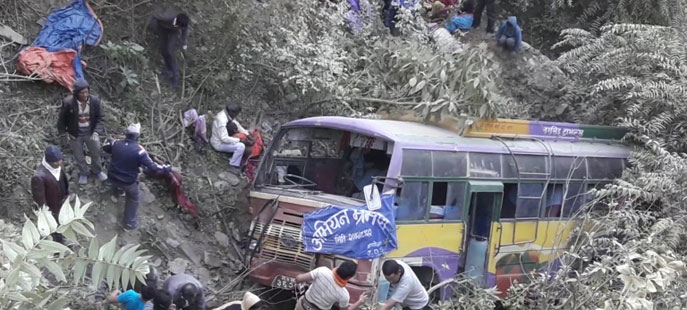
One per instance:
(49, 185)
(250, 301)
(81, 118)
(187, 293)
(131, 300)
(127, 157)
(509, 35)
(171, 25)
(224, 128)
(462, 21)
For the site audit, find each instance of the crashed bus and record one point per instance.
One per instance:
(493, 200)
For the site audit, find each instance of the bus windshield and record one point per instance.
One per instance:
(332, 161)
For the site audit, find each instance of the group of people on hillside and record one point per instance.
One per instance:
(458, 15)
(81, 122)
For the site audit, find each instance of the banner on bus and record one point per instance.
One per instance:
(355, 232)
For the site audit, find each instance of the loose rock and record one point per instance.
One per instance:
(178, 266)
(222, 238)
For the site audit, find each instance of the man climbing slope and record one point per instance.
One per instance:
(171, 26)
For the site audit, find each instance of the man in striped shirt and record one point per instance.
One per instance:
(328, 288)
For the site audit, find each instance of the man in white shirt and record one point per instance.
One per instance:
(224, 141)
(328, 287)
(406, 288)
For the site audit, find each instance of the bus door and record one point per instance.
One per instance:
(482, 223)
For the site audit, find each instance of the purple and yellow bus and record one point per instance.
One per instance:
(493, 202)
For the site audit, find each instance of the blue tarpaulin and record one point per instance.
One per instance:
(70, 28)
(354, 232)
(58, 45)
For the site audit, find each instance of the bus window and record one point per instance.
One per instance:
(485, 165)
(574, 199)
(604, 168)
(569, 168)
(412, 201)
(326, 143)
(416, 163)
(447, 201)
(510, 198)
(532, 166)
(449, 164)
(554, 200)
(529, 200)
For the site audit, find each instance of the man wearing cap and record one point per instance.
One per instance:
(127, 157)
(81, 118)
(224, 128)
(49, 185)
(250, 301)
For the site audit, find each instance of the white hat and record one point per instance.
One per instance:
(249, 300)
(134, 128)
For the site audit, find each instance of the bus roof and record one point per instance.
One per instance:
(413, 135)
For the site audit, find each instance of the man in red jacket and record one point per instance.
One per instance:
(49, 185)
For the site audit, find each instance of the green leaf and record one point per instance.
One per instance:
(412, 82)
(128, 256)
(125, 278)
(79, 270)
(31, 269)
(53, 246)
(66, 212)
(118, 254)
(32, 230)
(14, 248)
(80, 229)
(419, 86)
(56, 270)
(58, 304)
(52, 224)
(12, 277)
(97, 274)
(110, 275)
(93, 249)
(107, 250)
(43, 227)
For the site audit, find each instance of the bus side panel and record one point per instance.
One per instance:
(515, 262)
(431, 245)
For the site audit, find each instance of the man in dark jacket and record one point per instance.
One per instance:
(49, 185)
(187, 293)
(171, 25)
(127, 157)
(81, 118)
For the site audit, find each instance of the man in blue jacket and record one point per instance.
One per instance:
(127, 157)
(509, 35)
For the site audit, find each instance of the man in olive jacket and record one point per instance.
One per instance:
(49, 184)
(81, 117)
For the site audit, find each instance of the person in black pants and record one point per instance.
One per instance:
(171, 25)
(491, 14)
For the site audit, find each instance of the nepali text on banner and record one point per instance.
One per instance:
(354, 232)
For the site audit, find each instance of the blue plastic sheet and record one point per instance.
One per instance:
(70, 28)
(354, 232)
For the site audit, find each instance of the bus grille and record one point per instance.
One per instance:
(283, 243)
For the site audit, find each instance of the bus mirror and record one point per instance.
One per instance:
(372, 197)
